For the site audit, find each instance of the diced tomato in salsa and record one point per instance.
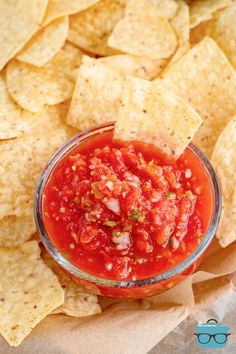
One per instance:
(124, 211)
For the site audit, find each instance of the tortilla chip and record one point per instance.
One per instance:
(180, 24)
(143, 32)
(63, 110)
(45, 43)
(32, 87)
(224, 32)
(181, 51)
(203, 10)
(16, 230)
(205, 79)
(130, 65)
(14, 121)
(97, 93)
(59, 8)
(224, 163)
(29, 291)
(165, 9)
(21, 163)
(19, 21)
(53, 118)
(151, 114)
(204, 29)
(78, 302)
(90, 29)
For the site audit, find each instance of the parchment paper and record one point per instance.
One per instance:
(135, 327)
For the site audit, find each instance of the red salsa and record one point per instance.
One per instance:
(123, 211)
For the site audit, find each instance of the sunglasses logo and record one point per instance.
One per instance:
(212, 334)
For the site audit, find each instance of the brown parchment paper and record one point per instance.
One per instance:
(161, 324)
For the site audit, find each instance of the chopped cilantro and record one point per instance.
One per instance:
(135, 215)
(65, 254)
(110, 223)
(190, 195)
(170, 195)
(127, 228)
(115, 233)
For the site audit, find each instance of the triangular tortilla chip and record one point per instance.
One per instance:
(206, 80)
(19, 21)
(224, 163)
(29, 291)
(152, 115)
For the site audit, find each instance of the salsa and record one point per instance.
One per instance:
(123, 210)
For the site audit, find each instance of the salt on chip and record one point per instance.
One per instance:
(29, 291)
(59, 8)
(144, 32)
(206, 80)
(33, 87)
(16, 230)
(91, 28)
(203, 10)
(45, 43)
(21, 164)
(14, 121)
(149, 113)
(97, 94)
(130, 65)
(19, 21)
(77, 301)
(224, 163)
(224, 32)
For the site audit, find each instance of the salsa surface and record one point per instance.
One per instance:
(124, 211)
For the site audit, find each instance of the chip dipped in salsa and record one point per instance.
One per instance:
(123, 210)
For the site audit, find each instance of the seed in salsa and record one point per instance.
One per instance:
(123, 210)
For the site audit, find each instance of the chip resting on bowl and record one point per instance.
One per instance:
(152, 115)
(205, 79)
(45, 43)
(224, 163)
(29, 291)
(19, 20)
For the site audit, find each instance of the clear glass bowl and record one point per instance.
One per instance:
(126, 289)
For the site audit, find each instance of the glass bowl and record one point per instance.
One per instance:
(134, 289)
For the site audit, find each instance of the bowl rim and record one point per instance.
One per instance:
(112, 283)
